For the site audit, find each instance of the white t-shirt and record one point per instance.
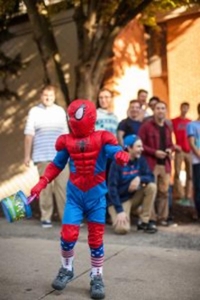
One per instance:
(46, 124)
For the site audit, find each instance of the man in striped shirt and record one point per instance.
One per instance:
(45, 123)
(106, 120)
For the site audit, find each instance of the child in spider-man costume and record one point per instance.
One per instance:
(87, 151)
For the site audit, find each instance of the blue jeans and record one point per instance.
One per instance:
(196, 176)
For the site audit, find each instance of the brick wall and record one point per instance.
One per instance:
(129, 68)
(183, 60)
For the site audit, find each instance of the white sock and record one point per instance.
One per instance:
(96, 271)
(67, 259)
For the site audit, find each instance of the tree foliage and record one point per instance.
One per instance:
(9, 66)
(47, 47)
(98, 22)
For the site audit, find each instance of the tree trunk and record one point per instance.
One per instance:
(95, 42)
(86, 87)
(90, 74)
(47, 47)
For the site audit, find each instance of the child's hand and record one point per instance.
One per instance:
(36, 190)
(122, 158)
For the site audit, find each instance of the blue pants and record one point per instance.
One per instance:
(81, 205)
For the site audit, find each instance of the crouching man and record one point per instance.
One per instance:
(130, 187)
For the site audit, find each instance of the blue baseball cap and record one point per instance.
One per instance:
(130, 140)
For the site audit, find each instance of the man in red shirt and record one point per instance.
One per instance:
(182, 153)
(158, 146)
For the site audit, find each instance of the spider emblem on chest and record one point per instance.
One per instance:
(82, 145)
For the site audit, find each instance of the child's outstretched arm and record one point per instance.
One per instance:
(51, 172)
(114, 150)
(54, 168)
(122, 158)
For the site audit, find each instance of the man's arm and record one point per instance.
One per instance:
(113, 183)
(191, 138)
(29, 132)
(193, 146)
(28, 143)
(143, 135)
(121, 129)
(120, 136)
(170, 146)
(146, 175)
(114, 180)
(176, 147)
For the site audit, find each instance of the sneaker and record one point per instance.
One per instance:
(46, 224)
(97, 290)
(163, 223)
(171, 223)
(185, 202)
(168, 223)
(147, 227)
(64, 276)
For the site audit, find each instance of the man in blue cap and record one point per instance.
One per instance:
(130, 187)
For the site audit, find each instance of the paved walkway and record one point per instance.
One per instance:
(137, 266)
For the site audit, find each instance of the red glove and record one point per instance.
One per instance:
(36, 190)
(122, 158)
(51, 172)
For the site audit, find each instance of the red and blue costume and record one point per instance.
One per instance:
(87, 151)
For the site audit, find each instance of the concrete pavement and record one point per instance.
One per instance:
(137, 266)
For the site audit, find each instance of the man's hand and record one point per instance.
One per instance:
(177, 148)
(169, 152)
(121, 219)
(160, 154)
(36, 190)
(28, 143)
(133, 186)
(122, 158)
(27, 161)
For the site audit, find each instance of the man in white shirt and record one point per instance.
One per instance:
(45, 123)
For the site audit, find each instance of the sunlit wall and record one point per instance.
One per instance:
(130, 67)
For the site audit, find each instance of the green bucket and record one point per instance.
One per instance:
(16, 207)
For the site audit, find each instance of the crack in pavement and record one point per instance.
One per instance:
(86, 271)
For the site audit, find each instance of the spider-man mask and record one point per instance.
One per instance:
(81, 117)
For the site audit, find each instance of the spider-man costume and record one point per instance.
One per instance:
(87, 151)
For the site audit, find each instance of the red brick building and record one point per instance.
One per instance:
(179, 77)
